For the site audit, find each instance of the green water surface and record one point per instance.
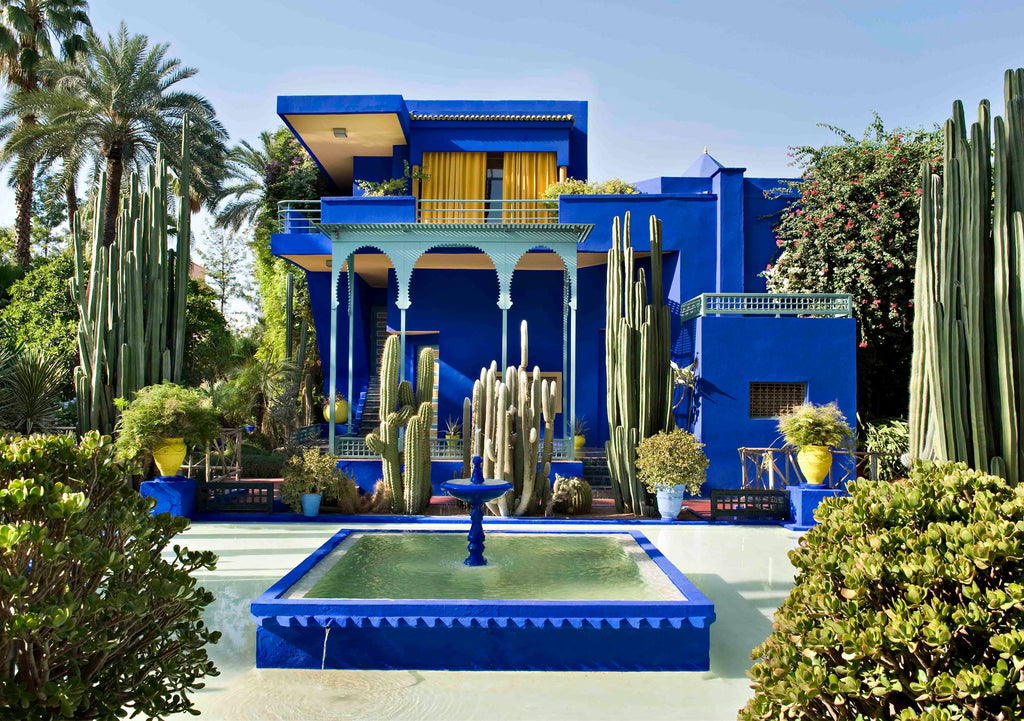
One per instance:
(520, 566)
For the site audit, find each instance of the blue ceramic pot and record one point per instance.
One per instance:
(670, 501)
(310, 504)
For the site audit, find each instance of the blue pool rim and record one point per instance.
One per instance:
(514, 634)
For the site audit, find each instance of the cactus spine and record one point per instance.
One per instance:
(401, 407)
(637, 361)
(504, 427)
(131, 295)
(967, 382)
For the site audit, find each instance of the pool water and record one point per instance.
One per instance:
(554, 567)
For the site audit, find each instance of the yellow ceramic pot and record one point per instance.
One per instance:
(169, 456)
(814, 462)
(580, 441)
(340, 411)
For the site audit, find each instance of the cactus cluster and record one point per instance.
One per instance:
(640, 378)
(505, 416)
(967, 377)
(571, 496)
(131, 294)
(401, 407)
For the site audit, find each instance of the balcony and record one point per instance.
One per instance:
(833, 305)
(304, 216)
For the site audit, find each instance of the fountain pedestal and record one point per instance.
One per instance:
(476, 490)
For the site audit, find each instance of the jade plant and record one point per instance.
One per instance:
(672, 458)
(101, 615)
(163, 411)
(811, 425)
(908, 604)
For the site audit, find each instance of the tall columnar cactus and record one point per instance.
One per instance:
(505, 429)
(131, 295)
(967, 378)
(399, 407)
(637, 361)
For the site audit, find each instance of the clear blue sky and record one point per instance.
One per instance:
(747, 79)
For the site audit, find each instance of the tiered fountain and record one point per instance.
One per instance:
(476, 491)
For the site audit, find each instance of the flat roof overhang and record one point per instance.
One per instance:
(374, 125)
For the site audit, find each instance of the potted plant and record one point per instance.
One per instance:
(814, 430)
(162, 422)
(453, 431)
(579, 429)
(340, 409)
(312, 479)
(670, 464)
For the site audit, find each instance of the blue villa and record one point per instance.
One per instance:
(473, 251)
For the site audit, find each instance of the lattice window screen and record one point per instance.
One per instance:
(771, 400)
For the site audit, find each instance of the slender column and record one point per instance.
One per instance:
(504, 339)
(333, 382)
(566, 421)
(351, 337)
(401, 338)
(572, 378)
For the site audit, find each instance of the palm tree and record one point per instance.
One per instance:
(121, 101)
(247, 168)
(29, 31)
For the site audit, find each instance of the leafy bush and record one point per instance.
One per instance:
(669, 459)
(571, 186)
(811, 425)
(41, 315)
(258, 462)
(314, 472)
(165, 410)
(908, 604)
(93, 622)
(851, 227)
(891, 441)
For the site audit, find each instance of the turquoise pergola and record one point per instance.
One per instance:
(504, 243)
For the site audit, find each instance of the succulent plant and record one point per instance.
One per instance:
(571, 496)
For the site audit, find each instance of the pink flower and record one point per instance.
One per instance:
(888, 265)
(863, 344)
(849, 223)
(768, 267)
(846, 247)
(875, 303)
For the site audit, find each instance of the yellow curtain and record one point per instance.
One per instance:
(526, 177)
(453, 177)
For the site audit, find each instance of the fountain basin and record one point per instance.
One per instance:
(582, 601)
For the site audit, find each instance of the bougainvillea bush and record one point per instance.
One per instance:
(852, 228)
(99, 618)
(908, 604)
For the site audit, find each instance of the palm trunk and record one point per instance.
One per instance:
(23, 201)
(115, 171)
(72, 199)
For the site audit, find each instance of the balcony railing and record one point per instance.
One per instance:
(487, 211)
(298, 216)
(440, 448)
(776, 468)
(835, 305)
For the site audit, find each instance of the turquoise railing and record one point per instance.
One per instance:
(835, 305)
(298, 216)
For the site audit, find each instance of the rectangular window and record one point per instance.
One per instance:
(495, 176)
(771, 400)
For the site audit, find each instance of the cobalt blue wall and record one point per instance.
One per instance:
(319, 297)
(759, 221)
(733, 351)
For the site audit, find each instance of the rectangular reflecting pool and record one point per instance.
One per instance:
(546, 601)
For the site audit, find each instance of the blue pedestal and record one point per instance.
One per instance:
(803, 499)
(174, 494)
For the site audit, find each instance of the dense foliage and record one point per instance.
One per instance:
(165, 410)
(93, 623)
(811, 425)
(41, 315)
(890, 439)
(209, 344)
(908, 604)
(673, 458)
(851, 227)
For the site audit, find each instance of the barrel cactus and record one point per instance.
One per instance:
(571, 496)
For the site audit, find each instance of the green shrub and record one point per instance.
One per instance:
(165, 410)
(891, 441)
(675, 458)
(908, 604)
(571, 186)
(811, 425)
(314, 472)
(89, 589)
(258, 462)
